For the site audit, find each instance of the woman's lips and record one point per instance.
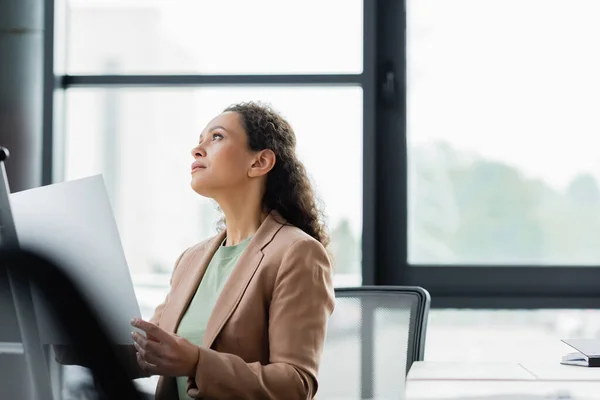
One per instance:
(196, 166)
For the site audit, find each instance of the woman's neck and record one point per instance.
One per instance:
(242, 222)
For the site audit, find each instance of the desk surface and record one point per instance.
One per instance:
(502, 380)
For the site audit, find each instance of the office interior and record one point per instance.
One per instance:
(452, 143)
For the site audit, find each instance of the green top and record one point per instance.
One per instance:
(194, 321)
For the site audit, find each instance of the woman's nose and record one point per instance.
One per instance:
(198, 151)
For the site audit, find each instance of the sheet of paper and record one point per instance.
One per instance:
(559, 372)
(73, 223)
(432, 370)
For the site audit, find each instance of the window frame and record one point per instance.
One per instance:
(385, 196)
(451, 286)
(60, 81)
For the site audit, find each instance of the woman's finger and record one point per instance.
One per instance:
(140, 350)
(141, 363)
(151, 329)
(145, 366)
(147, 354)
(139, 339)
(155, 348)
(144, 346)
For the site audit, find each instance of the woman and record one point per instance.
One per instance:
(246, 314)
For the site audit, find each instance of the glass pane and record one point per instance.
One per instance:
(503, 132)
(506, 335)
(215, 37)
(391, 329)
(365, 348)
(340, 371)
(140, 140)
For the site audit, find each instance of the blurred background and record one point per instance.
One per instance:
(452, 143)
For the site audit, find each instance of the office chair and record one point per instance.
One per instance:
(374, 335)
(88, 337)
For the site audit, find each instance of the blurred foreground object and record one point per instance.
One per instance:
(88, 337)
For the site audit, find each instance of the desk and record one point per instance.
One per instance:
(525, 380)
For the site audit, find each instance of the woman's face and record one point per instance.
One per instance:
(222, 159)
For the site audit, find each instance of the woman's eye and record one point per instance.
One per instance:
(217, 136)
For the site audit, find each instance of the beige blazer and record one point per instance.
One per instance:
(265, 336)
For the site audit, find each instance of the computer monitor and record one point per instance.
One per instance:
(73, 224)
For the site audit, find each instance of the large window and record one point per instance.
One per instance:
(487, 110)
(502, 129)
(139, 138)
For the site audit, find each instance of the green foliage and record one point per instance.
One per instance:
(345, 249)
(503, 217)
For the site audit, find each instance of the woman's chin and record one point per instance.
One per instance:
(202, 190)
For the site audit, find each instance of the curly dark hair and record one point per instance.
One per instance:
(288, 190)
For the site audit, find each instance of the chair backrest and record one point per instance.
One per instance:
(373, 337)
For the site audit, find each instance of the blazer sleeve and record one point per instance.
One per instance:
(302, 301)
(65, 355)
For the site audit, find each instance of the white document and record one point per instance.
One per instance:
(73, 224)
(473, 371)
(553, 371)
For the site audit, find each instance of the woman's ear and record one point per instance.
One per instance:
(264, 161)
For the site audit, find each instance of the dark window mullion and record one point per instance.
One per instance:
(391, 160)
(369, 259)
(210, 80)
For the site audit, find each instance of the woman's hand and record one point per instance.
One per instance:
(163, 353)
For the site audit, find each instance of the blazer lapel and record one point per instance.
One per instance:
(189, 283)
(240, 277)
